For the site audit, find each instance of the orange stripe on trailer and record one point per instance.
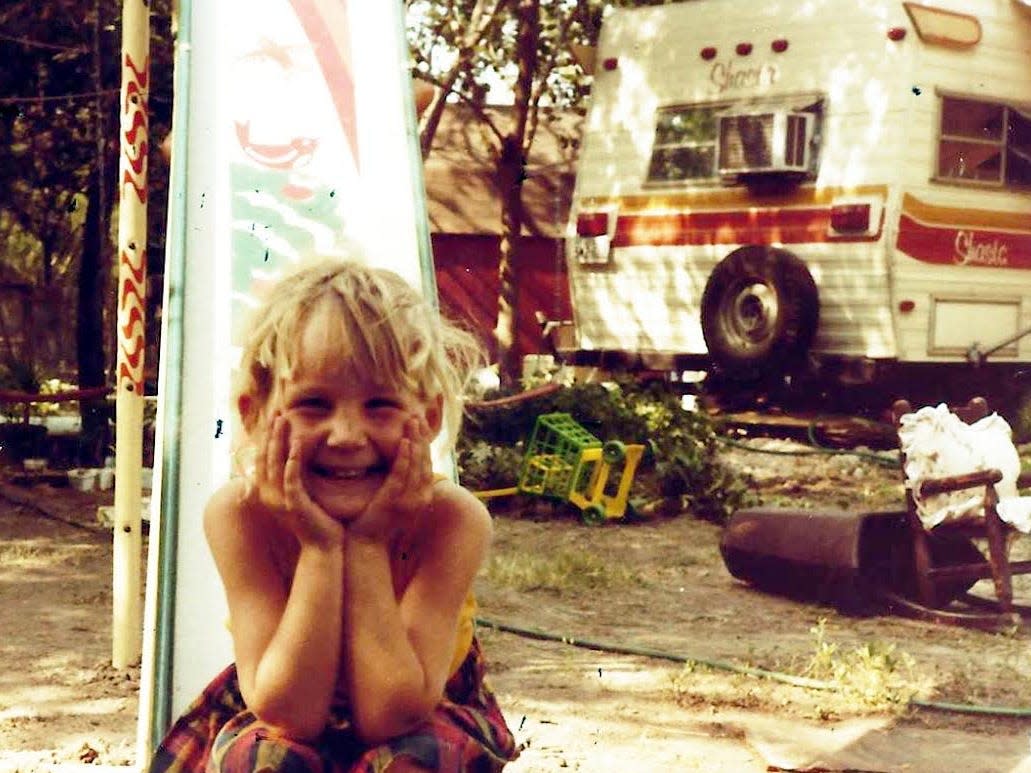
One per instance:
(964, 217)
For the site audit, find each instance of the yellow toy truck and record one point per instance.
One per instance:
(564, 462)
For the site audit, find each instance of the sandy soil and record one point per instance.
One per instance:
(626, 588)
(60, 699)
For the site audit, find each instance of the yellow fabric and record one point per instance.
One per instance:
(466, 615)
(464, 636)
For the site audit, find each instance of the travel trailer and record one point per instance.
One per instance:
(827, 190)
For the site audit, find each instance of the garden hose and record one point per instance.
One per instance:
(777, 676)
(620, 649)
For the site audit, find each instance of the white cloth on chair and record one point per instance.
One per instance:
(938, 443)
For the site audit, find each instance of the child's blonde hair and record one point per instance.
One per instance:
(391, 334)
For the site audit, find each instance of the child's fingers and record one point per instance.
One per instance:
(307, 519)
(261, 454)
(260, 473)
(277, 451)
(415, 473)
(398, 481)
(266, 451)
(422, 464)
(293, 488)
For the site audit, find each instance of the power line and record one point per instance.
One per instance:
(41, 44)
(57, 97)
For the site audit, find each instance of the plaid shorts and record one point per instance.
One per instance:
(466, 732)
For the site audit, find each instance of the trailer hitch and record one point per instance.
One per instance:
(977, 357)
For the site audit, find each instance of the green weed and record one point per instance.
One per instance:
(874, 675)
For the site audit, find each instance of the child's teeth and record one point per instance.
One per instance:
(344, 474)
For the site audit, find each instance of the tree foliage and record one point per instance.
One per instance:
(59, 123)
(538, 46)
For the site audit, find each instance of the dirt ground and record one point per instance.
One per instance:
(644, 597)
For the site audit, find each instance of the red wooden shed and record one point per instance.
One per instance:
(464, 208)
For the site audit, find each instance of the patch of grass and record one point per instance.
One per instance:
(890, 494)
(29, 554)
(23, 554)
(562, 571)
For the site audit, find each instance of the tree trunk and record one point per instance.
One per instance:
(511, 174)
(89, 337)
(511, 166)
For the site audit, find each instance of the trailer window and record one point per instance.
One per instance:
(686, 137)
(984, 142)
(685, 144)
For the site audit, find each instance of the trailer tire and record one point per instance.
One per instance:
(760, 309)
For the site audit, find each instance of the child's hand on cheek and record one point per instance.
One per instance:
(406, 494)
(280, 487)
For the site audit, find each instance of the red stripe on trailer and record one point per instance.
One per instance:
(796, 225)
(948, 245)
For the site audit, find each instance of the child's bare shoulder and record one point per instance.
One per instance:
(228, 497)
(457, 508)
(230, 507)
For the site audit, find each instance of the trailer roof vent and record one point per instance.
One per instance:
(764, 142)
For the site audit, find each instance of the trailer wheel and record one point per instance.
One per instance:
(759, 312)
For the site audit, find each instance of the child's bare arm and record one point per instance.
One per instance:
(286, 639)
(398, 652)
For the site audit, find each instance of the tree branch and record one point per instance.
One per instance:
(482, 21)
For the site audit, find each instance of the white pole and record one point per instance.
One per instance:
(126, 622)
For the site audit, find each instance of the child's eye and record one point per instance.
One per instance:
(383, 403)
(310, 403)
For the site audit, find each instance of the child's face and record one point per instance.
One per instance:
(348, 426)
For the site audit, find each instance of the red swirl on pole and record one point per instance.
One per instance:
(135, 128)
(131, 343)
(133, 283)
(139, 76)
(133, 220)
(135, 318)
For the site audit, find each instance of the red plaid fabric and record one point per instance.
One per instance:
(465, 734)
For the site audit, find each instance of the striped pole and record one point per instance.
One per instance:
(126, 622)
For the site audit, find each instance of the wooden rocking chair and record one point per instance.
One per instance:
(948, 558)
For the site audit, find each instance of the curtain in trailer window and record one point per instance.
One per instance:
(1018, 148)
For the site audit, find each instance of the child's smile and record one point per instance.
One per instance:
(343, 492)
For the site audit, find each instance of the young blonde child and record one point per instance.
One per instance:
(347, 563)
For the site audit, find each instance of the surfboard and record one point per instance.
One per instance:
(294, 134)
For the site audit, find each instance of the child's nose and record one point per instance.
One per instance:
(344, 431)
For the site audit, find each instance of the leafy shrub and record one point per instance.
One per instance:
(483, 466)
(19, 376)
